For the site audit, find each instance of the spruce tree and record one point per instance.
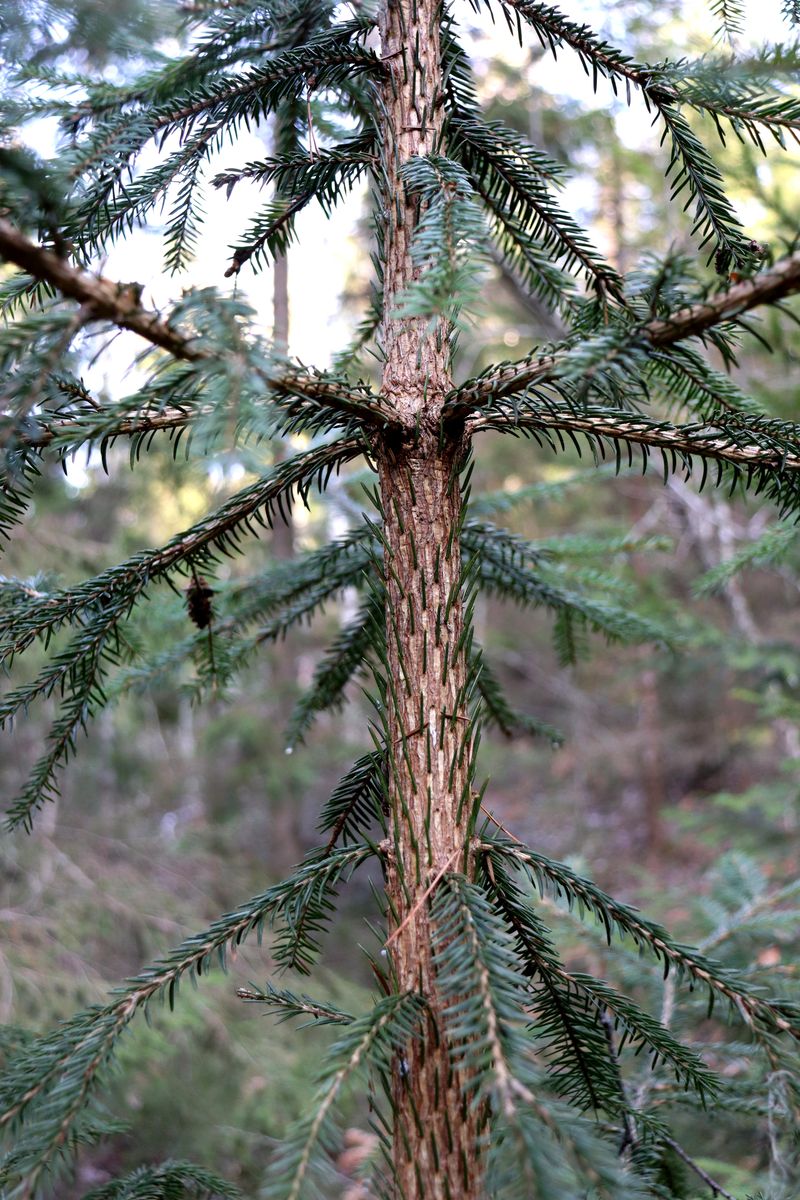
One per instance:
(492, 1068)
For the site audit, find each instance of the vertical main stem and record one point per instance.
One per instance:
(436, 1136)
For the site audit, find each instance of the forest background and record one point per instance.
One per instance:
(676, 784)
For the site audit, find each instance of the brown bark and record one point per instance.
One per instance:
(428, 735)
(430, 760)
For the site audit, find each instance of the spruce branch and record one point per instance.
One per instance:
(687, 381)
(509, 567)
(69, 434)
(104, 300)
(288, 1005)
(357, 800)
(273, 602)
(299, 179)
(331, 56)
(79, 672)
(730, 14)
(769, 550)
(119, 586)
(758, 1012)
(308, 911)
(168, 1181)
(694, 320)
(543, 1147)
(760, 452)
(690, 166)
(46, 1084)
(101, 604)
(512, 178)
(716, 1187)
(708, 87)
(347, 657)
(751, 105)
(293, 174)
(568, 1008)
(766, 287)
(580, 1073)
(448, 245)
(114, 302)
(376, 1039)
(497, 710)
(628, 1123)
(278, 400)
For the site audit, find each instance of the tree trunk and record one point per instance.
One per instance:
(283, 531)
(427, 724)
(286, 815)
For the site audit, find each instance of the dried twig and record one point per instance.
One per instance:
(418, 905)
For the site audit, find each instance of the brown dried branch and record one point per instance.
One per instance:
(105, 300)
(108, 301)
(716, 1187)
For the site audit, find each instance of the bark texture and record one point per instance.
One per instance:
(428, 732)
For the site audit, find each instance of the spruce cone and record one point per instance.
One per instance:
(198, 601)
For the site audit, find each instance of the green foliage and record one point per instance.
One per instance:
(542, 1148)
(99, 607)
(49, 1079)
(447, 242)
(287, 1005)
(516, 570)
(730, 14)
(534, 232)
(346, 656)
(498, 712)
(357, 800)
(773, 547)
(550, 1056)
(299, 180)
(761, 1014)
(691, 168)
(571, 1010)
(169, 1181)
(375, 1039)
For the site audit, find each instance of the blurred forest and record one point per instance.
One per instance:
(677, 778)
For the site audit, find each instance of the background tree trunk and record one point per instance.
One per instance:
(286, 818)
(436, 1155)
(283, 531)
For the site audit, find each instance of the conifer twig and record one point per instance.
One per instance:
(421, 900)
(48, 432)
(767, 287)
(716, 1187)
(115, 302)
(628, 1124)
(120, 303)
(693, 439)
